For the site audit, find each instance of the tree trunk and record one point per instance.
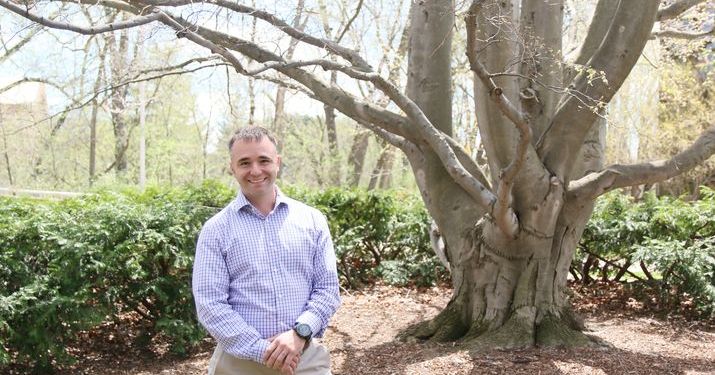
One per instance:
(117, 102)
(380, 176)
(358, 151)
(508, 292)
(6, 155)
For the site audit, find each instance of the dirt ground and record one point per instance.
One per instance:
(362, 340)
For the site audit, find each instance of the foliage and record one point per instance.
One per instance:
(66, 266)
(377, 234)
(674, 237)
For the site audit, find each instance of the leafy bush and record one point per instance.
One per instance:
(673, 237)
(371, 229)
(67, 266)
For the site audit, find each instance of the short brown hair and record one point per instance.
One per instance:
(251, 133)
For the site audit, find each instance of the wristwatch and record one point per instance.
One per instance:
(303, 331)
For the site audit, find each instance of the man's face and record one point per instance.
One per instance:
(255, 165)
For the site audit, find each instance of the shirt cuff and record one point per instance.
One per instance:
(258, 350)
(313, 320)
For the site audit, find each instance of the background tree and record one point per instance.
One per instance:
(511, 232)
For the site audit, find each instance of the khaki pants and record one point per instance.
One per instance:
(314, 361)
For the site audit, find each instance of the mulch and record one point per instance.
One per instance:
(641, 338)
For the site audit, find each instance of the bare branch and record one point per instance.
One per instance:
(618, 176)
(79, 104)
(92, 30)
(436, 140)
(677, 34)
(30, 79)
(12, 50)
(331, 46)
(676, 9)
(331, 95)
(350, 21)
(183, 30)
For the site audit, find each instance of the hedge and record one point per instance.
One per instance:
(67, 266)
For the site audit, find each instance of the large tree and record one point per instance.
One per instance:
(511, 231)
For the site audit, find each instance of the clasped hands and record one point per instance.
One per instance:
(283, 353)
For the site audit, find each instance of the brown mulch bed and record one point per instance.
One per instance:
(362, 341)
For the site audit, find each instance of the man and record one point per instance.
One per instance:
(265, 278)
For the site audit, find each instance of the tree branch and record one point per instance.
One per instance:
(677, 34)
(350, 21)
(618, 176)
(12, 50)
(616, 56)
(676, 9)
(331, 46)
(503, 214)
(331, 95)
(92, 30)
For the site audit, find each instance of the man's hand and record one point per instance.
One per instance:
(284, 352)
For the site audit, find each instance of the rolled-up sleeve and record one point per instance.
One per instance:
(324, 298)
(210, 285)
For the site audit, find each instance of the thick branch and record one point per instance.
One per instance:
(331, 95)
(92, 30)
(467, 161)
(676, 9)
(618, 176)
(440, 146)
(616, 56)
(503, 213)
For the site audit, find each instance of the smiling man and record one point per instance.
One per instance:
(265, 279)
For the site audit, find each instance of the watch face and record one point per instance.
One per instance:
(303, 330)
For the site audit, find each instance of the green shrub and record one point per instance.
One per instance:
(67, 266)
(672, 237)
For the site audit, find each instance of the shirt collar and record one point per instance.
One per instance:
(242, 202)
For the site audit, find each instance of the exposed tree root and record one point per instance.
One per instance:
(561, 332)
(516, 332)
(446, 326)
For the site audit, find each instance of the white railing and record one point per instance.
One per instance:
(38, 193)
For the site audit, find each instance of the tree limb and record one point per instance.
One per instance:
(677, 34)
(676, 9)
(618, 176)
(331, 95)
(331, 46)
(12, 50)
(350, 21)
(503, 214)
(92, 30)
(616, 56)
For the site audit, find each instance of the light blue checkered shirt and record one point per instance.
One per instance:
(256, 276)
